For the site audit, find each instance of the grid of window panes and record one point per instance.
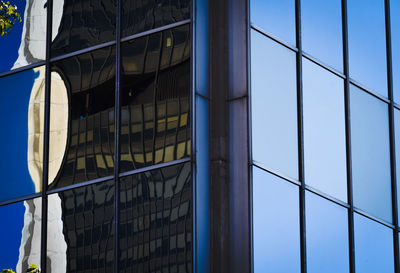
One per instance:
(325, 135)
(95, 104)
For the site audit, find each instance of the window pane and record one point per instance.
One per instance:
(80, 229)
(21, 116)
(324, 131)
(275, 224)
(155, 231)
(322, 31)
(276, 17)
(273, 81)
(373, 246)
(327, 236)
(82, 118)
(370, 154)
(395, 26)
(20, 235)
(397, 143)
(25, 42)
(367, 44)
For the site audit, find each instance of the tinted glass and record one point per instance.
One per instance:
(370, 154)
(82, 118)
(20, 235)
(273, 83)
(21, 116)
(81, 24)
(327, 236)
(395, 26)
(156, 99)
(276, 17)
(80, 230)
(25, 42)
(397, 149)
(156, 221)
(367, 44)
(373, 246)
(275, 224)
(138, 16)
(321, 27)
(324, 131)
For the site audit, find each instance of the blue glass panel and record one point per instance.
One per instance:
(21, 147)
(20, 235)
(395, 26)
(373, 246)
(25, 42)
(367, 44)
(322, 31)
(370, 154)
(273, 81)
(324, 131)
(397, 143)
(327, 236)
(276, 17)
(275, 224)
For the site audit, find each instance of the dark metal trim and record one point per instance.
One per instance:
(276, 173)
(274, 38)
(19, 199)
(82, 51)
(21, 69)
(78, 185)
(157, 166)
(373, 218)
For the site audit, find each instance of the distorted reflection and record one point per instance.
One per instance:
(155, 231)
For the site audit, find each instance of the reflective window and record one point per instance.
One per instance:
(367, 44)
(20, 235)
(80, 229)
(155, 230)
(25, 42)
(370, 154)
(321, 27)
(324, 131)
(276, 17)
(397, 149)
(273, 83)
(21, 116)
(373, 246)
(275, 224)
(327, 236)
(81, 24)
(395, 26)
(156, 99)
(82, 118)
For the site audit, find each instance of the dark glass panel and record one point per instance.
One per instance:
(80, 230)
(370, 154)
(395, 26)
(20, 235)
(367, 44)
(273, 83)
(275, 224)
(79, 24)
(21, 143)
(321, 27)
(82, 118)
(155, 99)
(25, 42)
(155, 232)
(139, 16)
(276, 17)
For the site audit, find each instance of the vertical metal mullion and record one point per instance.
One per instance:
(348, 137)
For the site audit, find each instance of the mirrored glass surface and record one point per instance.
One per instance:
(81, 24)
(367, 44)
(373, 246)
(277, 17)
(139, 16)
(21, 116)
(80, 229)
(24, 42)
(395, 27)
(155, 231)
(321, 30)
(20, 235)
(275, 224)
(324, 131)
(155, 97)
(370, 154)
(82, 118)
(274, 104)
(397, 149)
(327, 236)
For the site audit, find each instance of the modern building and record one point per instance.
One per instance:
(197, 136)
